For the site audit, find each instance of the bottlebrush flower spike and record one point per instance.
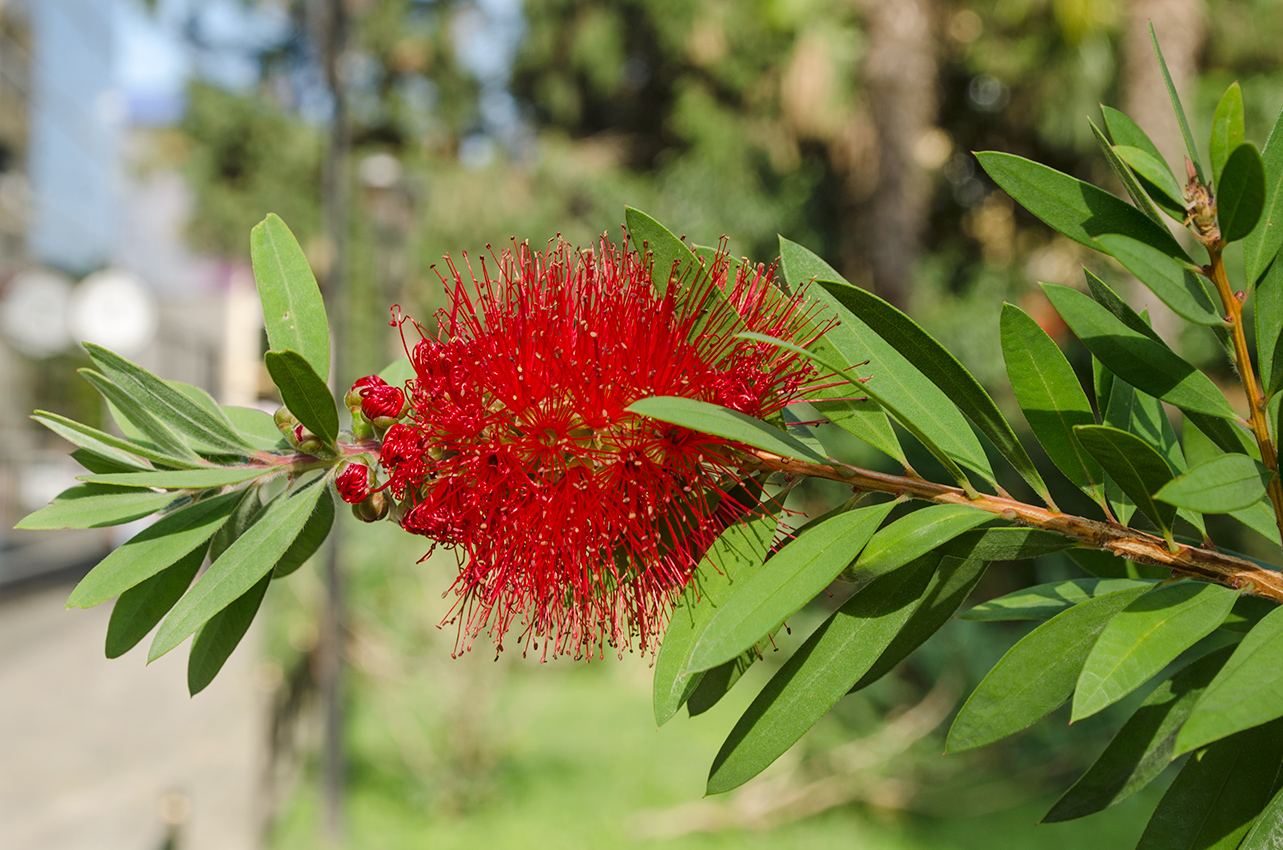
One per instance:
(575, 518)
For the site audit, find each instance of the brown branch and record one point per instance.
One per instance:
(1111, 537)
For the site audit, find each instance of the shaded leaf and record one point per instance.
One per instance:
(304, 393)
(1268, 318)
(1044, 601)
(1136, 467)
(724, 422)
(314, 533)
(1262, 244)
(1157, 178)
(1005, 543)
(1176, 283)
(820, 673)
(716, 683)
(1145, 637)
(141, 607)
(1105, 565)
(735, 556)
(216, 640)
(1125, 176)
(1037, 675)
(1247, 692)
(292, 307)
(1142, 749)
(1240, 197)
(788, 581)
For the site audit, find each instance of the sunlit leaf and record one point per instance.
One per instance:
(292, 307)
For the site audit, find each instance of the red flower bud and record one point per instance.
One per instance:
(354, 395)
(353, 483)
(383, 402)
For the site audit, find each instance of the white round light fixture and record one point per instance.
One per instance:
(33, 312)
(113, 309)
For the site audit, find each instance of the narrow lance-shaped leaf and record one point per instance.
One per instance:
(1135, 466)
(723, 422)
(292, 307)
(95, 506)
(315, 532)
(1214, 798)
(1227, 129)
(141, 607)
(1036, 675)
(1219, 486)
(148, 427)
(911, 536)
(170, 405)
(1145, 637)
(304, 393)
(788, 581)
(1267, 830)
(944, 370)
(240, 567)
(1142, 749)
(216, 640)
(1240, 197)
(1005, 543)
(1180, 110)
(1247, 692)
(735, 556)
(1044, 601)
(104, 445)
(152, 549)
(180, 479)
(1175, 282)
(1137, 359)
(1268, 318)
(1124, 174)
(1156, 178)
(820, 673)
(1262, 244)
(1051, 398)
(1071, 207)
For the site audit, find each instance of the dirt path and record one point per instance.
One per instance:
(90, 747)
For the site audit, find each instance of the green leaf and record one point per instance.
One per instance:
(724, 422)
(912, 536)
(95, 506)
(247, 511)
(788, 581)
(180, 479)
(304, 393)
(91, 462)
(292, 307)
(1268, 318)
(1036, 675)
(1107, 298)
(1075, 209)
(1145, 637)
(1247, 692)
(1176, 283)
(1180, 110)
(1267, 831)
(1262, 244)
(950, 585)
(1005, 543)
(860, 417)
(141, 607)
(820, 673)
(398, 372)
(942, 369)
(102, 444)
(1224, 484)
(1227, 129)
(239, 568)
(1218, 792)
(1125, 176)
(733, 558)
(673, 260)
(1104, 565)
(1134, 465)
(1136, 358)
(149, 551)
(170, 405)
(216, 640)
(126, 410)
(258, 428)
(1156, 178)
(1044, 601)
(900, 388)
(716, 683)
(1124, 131)
(314, 533)
(1051, 398)
(1240, 197)
(1142, 749)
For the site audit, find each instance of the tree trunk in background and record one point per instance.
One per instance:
(1181, 30)
(900, 79)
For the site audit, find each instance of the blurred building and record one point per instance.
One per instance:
(15, 89)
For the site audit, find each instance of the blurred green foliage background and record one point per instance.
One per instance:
(841, 124)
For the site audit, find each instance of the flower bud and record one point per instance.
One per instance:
(356, 394)
(382, 405)
(353, 483)
(286, 423)
(372, 509)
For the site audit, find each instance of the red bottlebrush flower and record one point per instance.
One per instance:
(577, 517)
(353, 483)
(383, 402)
